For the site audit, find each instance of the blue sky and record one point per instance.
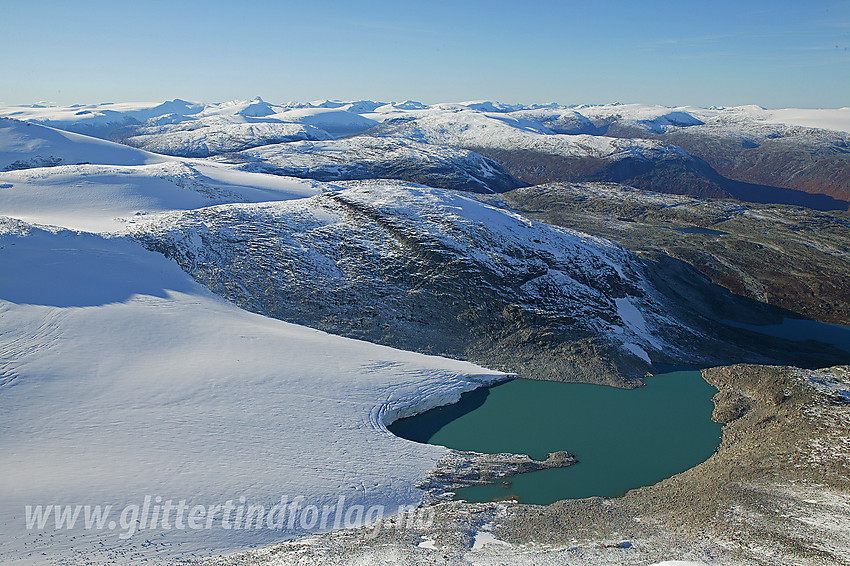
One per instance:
(774, 54)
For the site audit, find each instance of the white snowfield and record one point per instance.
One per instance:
(828, 119)
(96, 118)
(109, 197)
(121, 378)
(658, 118)
(25, 144)
(102, 186)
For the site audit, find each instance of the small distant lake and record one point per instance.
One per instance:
(622, 438)
(802, 330)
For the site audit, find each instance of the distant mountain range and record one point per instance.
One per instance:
(791, 156)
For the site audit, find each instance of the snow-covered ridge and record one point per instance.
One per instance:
(416, 267)
(76, 181)
(215, 135)
(24, 145)
(367, 157)
(466, 128)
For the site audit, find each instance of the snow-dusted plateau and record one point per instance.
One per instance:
(223, 305)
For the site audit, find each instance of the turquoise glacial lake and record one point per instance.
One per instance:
(622, 438)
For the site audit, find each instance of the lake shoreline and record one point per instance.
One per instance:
(622, 438)
(780, 465)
